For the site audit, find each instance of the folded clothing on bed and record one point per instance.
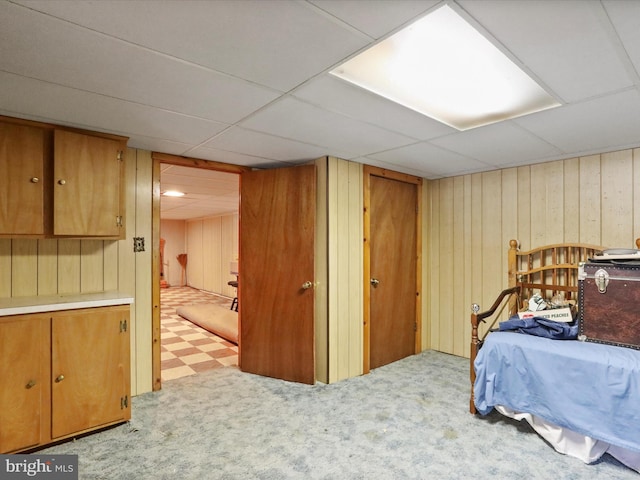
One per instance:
(589, 388)
(541, 327)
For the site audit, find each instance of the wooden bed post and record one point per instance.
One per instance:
(512, 263)
(474, 352)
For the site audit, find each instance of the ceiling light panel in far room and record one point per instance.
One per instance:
(444, 68)
(173, 193)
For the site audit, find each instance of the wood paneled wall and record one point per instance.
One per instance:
(472, 218)
(30, 267)
(174, 234)
(212, 243)
(345, 269)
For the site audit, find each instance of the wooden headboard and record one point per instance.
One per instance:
(546, 270)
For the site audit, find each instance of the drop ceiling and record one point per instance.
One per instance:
(246, 81)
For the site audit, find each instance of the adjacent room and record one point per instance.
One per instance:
(198, 298)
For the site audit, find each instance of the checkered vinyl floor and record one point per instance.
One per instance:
(186, 348)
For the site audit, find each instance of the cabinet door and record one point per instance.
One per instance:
(22, 150)
(90, 369)
(24, 381)
(87, 176)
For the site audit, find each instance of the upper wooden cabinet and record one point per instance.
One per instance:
(22, 179)
(87, 191)
(58, 182)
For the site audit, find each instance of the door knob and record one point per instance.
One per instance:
(306, 285)
(375, 282)
(59, 378)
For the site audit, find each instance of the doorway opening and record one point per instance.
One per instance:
(199, 230)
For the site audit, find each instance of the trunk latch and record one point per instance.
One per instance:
(601, 278)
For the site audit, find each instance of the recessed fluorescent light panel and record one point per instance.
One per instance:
(442, 67)
(173, 193)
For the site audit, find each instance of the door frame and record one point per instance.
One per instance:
(159, 158)
(368, 172)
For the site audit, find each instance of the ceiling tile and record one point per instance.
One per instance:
(157, 145)
(345, 98)
(431, 160)
(625, 16)
(263, 145)
(498, 144)
(96, 112)
(207, 33)
(234, 158)
(418, 172)
(293, 119)
(563, 42)
(596, 125)
(118, 69)
(375, 17)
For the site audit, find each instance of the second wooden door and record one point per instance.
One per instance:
(393, 236)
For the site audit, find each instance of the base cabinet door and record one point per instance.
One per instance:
(90, 369)
(24, 382)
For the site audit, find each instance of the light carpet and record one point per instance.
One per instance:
(406, 420)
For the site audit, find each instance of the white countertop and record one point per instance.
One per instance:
(53, 303)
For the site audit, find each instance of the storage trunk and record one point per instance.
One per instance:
(609, 303)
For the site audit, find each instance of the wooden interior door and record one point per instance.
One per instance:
(276, 273)
(393, 331)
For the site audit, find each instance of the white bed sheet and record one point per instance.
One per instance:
(570, 443)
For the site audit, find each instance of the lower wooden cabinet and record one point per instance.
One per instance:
(62, 374)
(25, 390)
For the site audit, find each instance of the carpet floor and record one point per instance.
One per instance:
(406, 420)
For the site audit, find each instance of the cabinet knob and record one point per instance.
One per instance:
(59, 378)
(62, 181)
(35, 180)
(32, 383)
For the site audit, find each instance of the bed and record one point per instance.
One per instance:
(581, 397)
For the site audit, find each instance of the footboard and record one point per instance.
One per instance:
(507, 298)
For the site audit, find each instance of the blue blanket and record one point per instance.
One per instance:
(589, 388)
(541, 327)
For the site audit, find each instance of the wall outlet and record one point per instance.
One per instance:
(138, 244)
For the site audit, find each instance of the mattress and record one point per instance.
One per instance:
(216, 319)
(588, 388)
